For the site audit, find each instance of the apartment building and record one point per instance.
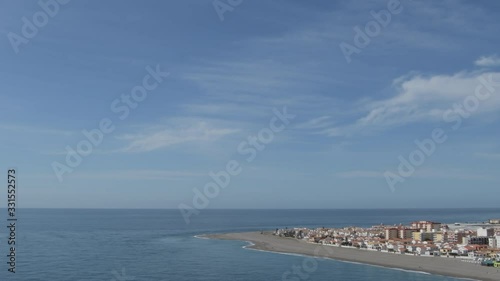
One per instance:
(391, 233)
(485, 232)
(428, 226)
(405, 233)
(423, 236)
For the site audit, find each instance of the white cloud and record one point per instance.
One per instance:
(315, 123)
(420, 99)
(158, 137)
(255, 81)
(492, 60)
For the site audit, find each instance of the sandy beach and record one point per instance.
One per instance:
(434, 265)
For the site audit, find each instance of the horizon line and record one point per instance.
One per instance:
(263, 209)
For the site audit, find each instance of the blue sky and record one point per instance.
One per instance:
(352, 120)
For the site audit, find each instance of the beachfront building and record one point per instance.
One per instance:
(411, 248)
(423, 236)
(405, 233)
(400, 232)
(455, 236)
(474, 240)
(428, 226)
(391, 233)
(437, 237)
(479, 240)
(446, 249)
(495, 221)
(401, 249)
(485, 232)
(423, 249)
(493, 242)
(478, 251)
(419, 238)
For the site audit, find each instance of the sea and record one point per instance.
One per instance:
(151, 245)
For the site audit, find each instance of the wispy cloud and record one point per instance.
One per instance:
(418, 98)
(242, 80)
(492, 60)
(157, 137)
(315, 123)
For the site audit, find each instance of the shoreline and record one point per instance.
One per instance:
(418, 264)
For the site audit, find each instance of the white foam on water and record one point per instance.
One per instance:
(202, 236)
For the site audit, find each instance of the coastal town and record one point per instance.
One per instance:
(471, 242)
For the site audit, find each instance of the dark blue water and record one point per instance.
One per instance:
(147, 245)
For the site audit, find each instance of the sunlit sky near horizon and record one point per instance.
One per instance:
(352, 119)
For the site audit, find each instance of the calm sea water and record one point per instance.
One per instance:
(147, 245)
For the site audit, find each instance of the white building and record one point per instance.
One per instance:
(485, 232)
(493, 242)
(465, 240)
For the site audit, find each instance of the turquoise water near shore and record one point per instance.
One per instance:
(150, 245)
